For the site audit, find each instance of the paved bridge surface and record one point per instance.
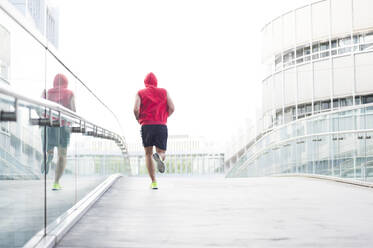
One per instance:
(218, 212)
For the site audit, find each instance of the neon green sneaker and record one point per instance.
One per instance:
(56, 186)
(154, 185)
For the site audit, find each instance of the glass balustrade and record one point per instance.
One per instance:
(49, 159)
(338, 144)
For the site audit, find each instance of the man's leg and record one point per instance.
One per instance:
(159, 157)
(61, 164)
(161, 153)
(149, 162)
(45, 168)
(161, 146)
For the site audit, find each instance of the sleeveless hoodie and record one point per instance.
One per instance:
(153, 108)
(60, 93)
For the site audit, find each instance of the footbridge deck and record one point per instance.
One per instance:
(218, 212)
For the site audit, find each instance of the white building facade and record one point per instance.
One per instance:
(318, 58)
(317, 92)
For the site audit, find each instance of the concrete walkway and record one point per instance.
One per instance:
(218, 212)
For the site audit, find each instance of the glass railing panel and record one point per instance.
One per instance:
(369, 117)
(300, 128)
(368, 165)
(91, 108)
(360, 119)
(22, 184)
(264, 163)
(322, 124)
(303, 164)
(311, 153)
(346, 120)
(360, 154)
(79, 162)
(300, 155)
(346, 155)
(248, 171)
(61, 177)
(284, 153)
(293, 157)
(60, 89)
(90, 160)
(334, 151)
(27, 59)
(320, 155)
(285, 132)
(276, 160)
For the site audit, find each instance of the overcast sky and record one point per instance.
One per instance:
(206, 53)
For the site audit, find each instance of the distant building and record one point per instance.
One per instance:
(185, 155)
(44, 16)
(317, 93)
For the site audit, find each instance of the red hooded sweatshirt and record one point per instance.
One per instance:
(60, 93)
(153, 108)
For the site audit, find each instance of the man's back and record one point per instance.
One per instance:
(60, 93)
(153, 108)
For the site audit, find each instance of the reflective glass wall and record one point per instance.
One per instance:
(49, 159)
(338, 144)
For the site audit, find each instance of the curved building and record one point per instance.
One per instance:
(316, 92)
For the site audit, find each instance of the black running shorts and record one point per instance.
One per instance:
(154, 135)
(57, 137)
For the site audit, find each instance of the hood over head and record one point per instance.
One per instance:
(150, 80)
(60, 81)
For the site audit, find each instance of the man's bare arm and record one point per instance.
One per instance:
(136, 109)
(170, 104)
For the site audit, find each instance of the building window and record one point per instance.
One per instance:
(301, 111)
(325, 105)
(335, 103)
(368, 37)
(299, 55)
(290, 114)
(317, 107)
(308, 108)
(307, 52)
(357, 38)
(367, 99)
(368, 42)
(289, 58)
(278, 62)
(357, 100)
(345, 44)
(344, 102)
(315, 51)
(324, 48)
(279, 117)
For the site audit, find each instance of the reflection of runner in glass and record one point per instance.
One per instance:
(152, 108)
(59, 136)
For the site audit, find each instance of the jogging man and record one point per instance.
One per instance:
(58, 136)
(152, 108)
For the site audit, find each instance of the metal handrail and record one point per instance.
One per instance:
(344, 109)
(52, 106)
